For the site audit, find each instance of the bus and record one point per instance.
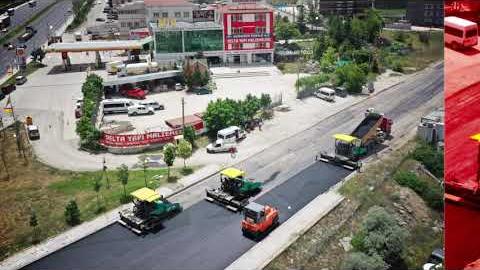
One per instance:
(460, 33)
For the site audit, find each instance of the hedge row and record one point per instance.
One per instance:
(92, 91)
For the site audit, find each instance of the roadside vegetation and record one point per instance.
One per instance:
(352, 52)
(223, 113)
(38, 202)
(80, 9)
(31, 68)
(86, 129)
(384, 223)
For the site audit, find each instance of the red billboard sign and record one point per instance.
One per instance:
(132, 140)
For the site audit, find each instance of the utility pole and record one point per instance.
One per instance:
(104, 171)
(183, 113)
(17, 128)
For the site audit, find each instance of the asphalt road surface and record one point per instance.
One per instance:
(54, 17)
(282, 166)
(24, 12)
(204, 236)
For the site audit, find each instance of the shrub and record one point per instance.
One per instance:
(380, 235)
(430, 157)
(72, 213)
(92, 91)
(308, 85)
(431, 194)
(362, 261)
(189, 135)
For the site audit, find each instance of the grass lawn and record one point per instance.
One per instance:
(34, 186)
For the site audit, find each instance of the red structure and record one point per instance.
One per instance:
(248, 32)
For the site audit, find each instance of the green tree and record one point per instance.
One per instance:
(205, 77)
(329, 58)
(197, 78)
(381, 235)
(352, 77)
(358, 35)
(97, 185)
(336, 30)
(72, 213)
(286, 30)
(184, 150)
(169, 155)
(373, 25)
(220, 114)
(122, 176)
(320, 45)
(189, 135)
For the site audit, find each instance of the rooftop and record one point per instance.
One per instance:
(168, 3)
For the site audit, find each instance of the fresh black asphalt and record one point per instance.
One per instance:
(204, 236)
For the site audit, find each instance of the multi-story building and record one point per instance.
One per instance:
(222, 33)
(389, 4)
(131, 15)
(248, 31)
(343, 7)
(180, 10)
(425, 12)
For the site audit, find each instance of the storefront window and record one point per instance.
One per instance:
(168, 42)
(203, 40)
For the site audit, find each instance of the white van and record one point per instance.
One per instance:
(116, 105)
(326, 93)
(78, 36)
(460, 33)
(231, 134)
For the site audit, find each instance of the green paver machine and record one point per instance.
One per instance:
(234, 190)
(148, 211)
(374, 129)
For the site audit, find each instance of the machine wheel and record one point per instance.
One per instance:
(134, 113)
(150, 113)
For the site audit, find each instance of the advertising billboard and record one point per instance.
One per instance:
(203, 15)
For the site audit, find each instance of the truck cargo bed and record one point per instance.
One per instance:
(367, 124)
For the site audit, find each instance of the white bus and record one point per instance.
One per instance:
(460, 33)
(116, 105)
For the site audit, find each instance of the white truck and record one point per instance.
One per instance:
(138, 68)
(220, 146)
(114, 67)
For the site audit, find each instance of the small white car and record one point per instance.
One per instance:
(220, 146)
(155, 105)
(140, 110)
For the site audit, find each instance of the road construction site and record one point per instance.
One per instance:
(206, 236)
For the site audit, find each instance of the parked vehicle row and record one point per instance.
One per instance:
(111, 106)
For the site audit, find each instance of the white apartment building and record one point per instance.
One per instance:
(180, 10)
(131, 15)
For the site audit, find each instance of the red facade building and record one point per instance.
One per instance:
(248, 33)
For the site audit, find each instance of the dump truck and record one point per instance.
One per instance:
(149, 210)
(234, 191)
(350, 148)
(259, 220)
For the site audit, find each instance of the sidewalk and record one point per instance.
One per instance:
(85, 229)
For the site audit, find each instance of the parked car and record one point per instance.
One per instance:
(19, 80)
(100, 19)
(155, 105)
(33, 133)
(341, 92)
(220, 146)
(435, 261)
(2, 96)
(136, 93)
(201, 91)
(325, 93)
(8, 89)
(179, 87)
(140, 110)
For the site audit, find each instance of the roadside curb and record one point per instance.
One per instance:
(77, 233)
